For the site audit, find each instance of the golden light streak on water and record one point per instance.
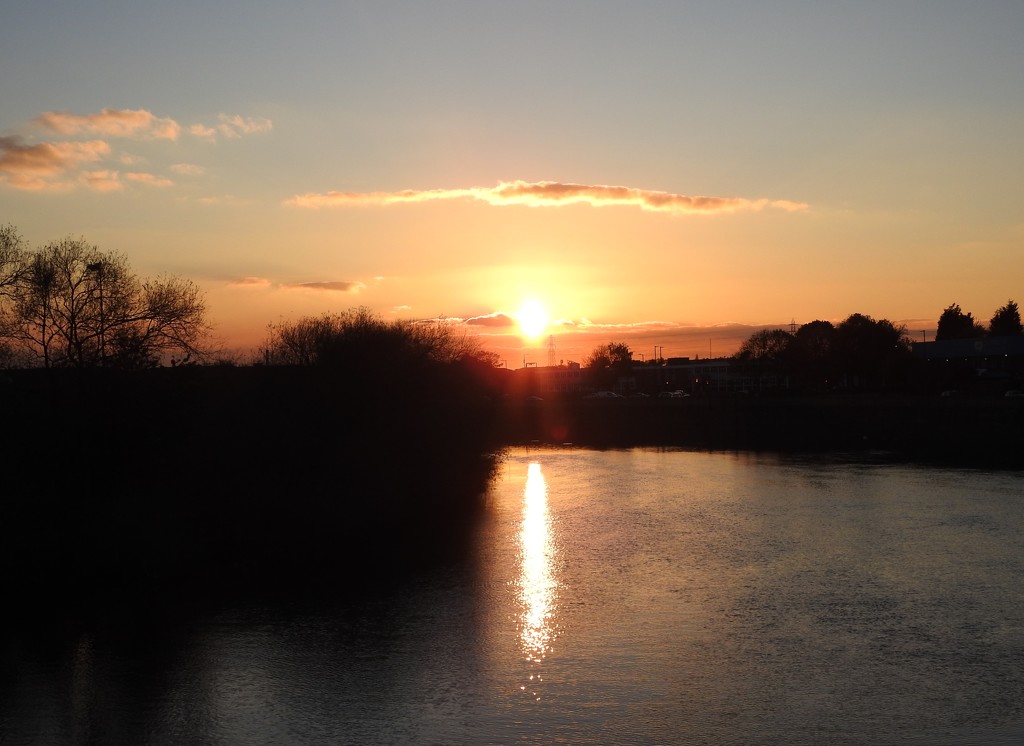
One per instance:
(536, 580)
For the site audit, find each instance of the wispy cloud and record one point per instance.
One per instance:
(137, 123)
(143, 124)
(148, 179)
(336, 287)
(550, 194)
(250, 282)
(188, 169)
(497, 320)
(102, 181)
(231, 126)
(41, 166)
(222, 200)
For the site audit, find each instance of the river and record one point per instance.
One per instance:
(610, 597)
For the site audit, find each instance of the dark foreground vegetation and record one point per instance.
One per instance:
(226, 476)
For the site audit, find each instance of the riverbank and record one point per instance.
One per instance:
(983, 431)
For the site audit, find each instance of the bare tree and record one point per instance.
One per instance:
(12, 267)
(12, 259)
(73, 305)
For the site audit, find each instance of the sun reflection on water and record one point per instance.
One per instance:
(536, 581)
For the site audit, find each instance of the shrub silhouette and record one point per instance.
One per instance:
(375, 454)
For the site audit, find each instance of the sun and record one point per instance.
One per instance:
(533, 318)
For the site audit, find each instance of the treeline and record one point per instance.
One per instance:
(954, 323)
(859, 352)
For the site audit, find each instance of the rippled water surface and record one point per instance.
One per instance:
(624, 597)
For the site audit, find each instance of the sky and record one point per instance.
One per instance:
(671, 175)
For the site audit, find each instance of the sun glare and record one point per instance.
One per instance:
(532, 317)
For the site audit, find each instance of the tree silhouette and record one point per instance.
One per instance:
(765, 353)
(73, 305)
(611, 355)
(812, 354)
(768, 347)
(12, 259)
(870, 352)
(358, 337)
(1006, 321)
(608, 362)
(955, 324)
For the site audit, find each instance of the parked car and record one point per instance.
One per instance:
(603, 395)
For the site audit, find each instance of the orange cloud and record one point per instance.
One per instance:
(188, 169)
(551, 194)
(250, 282)
(231, 127)
(34, 167)
(48, 157)
(139, 123)
(337, 287)
(149, 179)
(112, 123)
(102, 181)
(228, 200)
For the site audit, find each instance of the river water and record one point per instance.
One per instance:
(610, 597)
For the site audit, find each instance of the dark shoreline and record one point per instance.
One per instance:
(234, 477)
(959, 432)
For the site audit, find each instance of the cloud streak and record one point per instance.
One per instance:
(494, 320)
(148, 179)
(145, 125)
(250, 282)
(137, 123)
(336, 287)
(102, 181)
(231, 127)
(551, 194)
(35, 166)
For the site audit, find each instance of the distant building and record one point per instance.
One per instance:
(697, 376)
(985, 363)
(548, 380)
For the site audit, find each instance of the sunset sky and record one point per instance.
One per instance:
(665, 174)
